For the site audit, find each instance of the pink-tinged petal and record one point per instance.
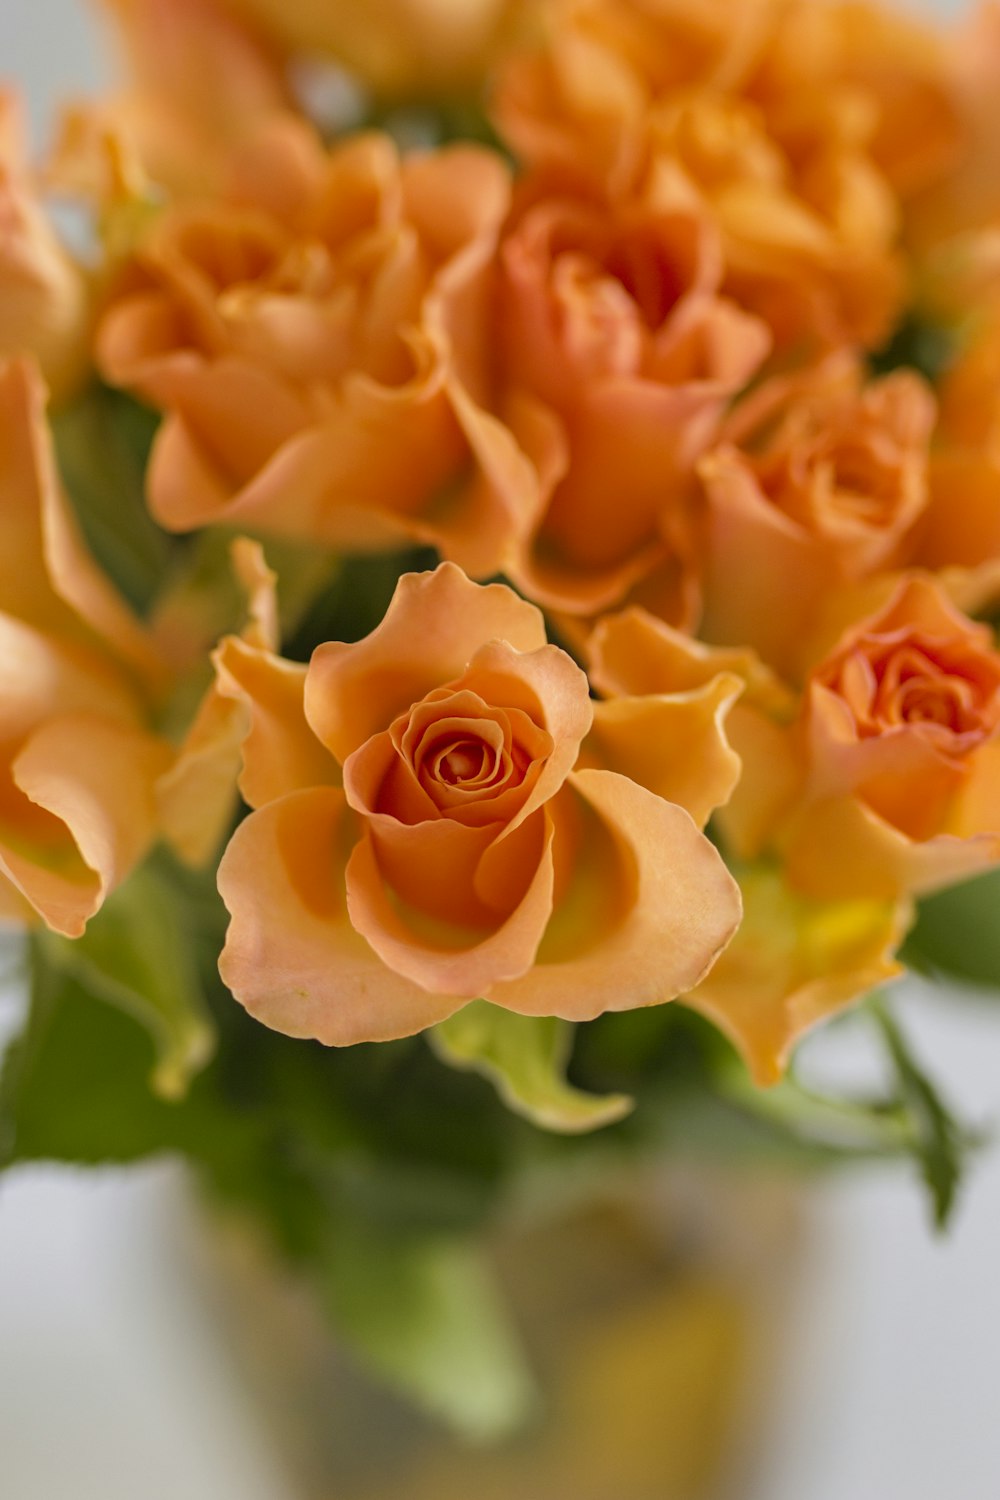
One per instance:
(292, 957)
(445, 957)
(674, 745)
(433, 627)
(794, 963)
(98, 779)
(841, 849)
(642, 913)
(904, 776)
(279, 750)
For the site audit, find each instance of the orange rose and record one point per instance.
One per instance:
(316, 341)
(618, 360)
(821, 482)
(900, 738)
(44, 302)
(396, 47)
(422, 838)
(792, 122)
(78, 763)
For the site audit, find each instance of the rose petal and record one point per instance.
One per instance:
(455, 961)
(794, 963)
(648, 908)
(674, 745)
(292, 957)
(98, 779)
(434, 625)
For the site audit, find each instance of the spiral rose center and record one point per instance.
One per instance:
(463, 762)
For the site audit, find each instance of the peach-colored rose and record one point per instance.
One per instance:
(617, 359)
(900, 742)
(821, 482)
(44, 300)
(422, 838)
(78, 763)
(316, 340)
(198, 82)
(409, 48)
(795, 123)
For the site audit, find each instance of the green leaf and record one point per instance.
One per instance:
(137, 954)
(525, 1058)
(957, 932)
(102, 443)
(425, 1315)
(939, 1142)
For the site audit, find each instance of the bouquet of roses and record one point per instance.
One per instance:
(501, 518)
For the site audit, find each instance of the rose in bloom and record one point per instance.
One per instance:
(315, 339)
(618, 358)
(797, 124)
(424, 833)
(397, 47)
(44, 301)
(78, 763)
(821, 482)
(899, 739)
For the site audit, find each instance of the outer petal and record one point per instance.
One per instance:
(292, 957)
(840, 848)
(434, 625)
(643, 912)
(793, 963)
(280, 752)
(98, 779)
(633, 653)
(675, 745)
(47, 576)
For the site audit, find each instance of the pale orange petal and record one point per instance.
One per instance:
(465, 963)
(98, 778)
(292, 957)
(675, 745)
(434, 625)
(648, 907)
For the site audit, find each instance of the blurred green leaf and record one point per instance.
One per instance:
(939, 1142)
(525, 1058)
(74, 1086)
(957, 932)
(425, 1315)
(102, 442)
(136, 953)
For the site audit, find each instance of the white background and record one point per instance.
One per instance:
(112, 1383)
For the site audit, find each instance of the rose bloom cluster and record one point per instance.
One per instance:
(717, 538)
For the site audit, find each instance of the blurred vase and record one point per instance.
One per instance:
(652, 1313)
